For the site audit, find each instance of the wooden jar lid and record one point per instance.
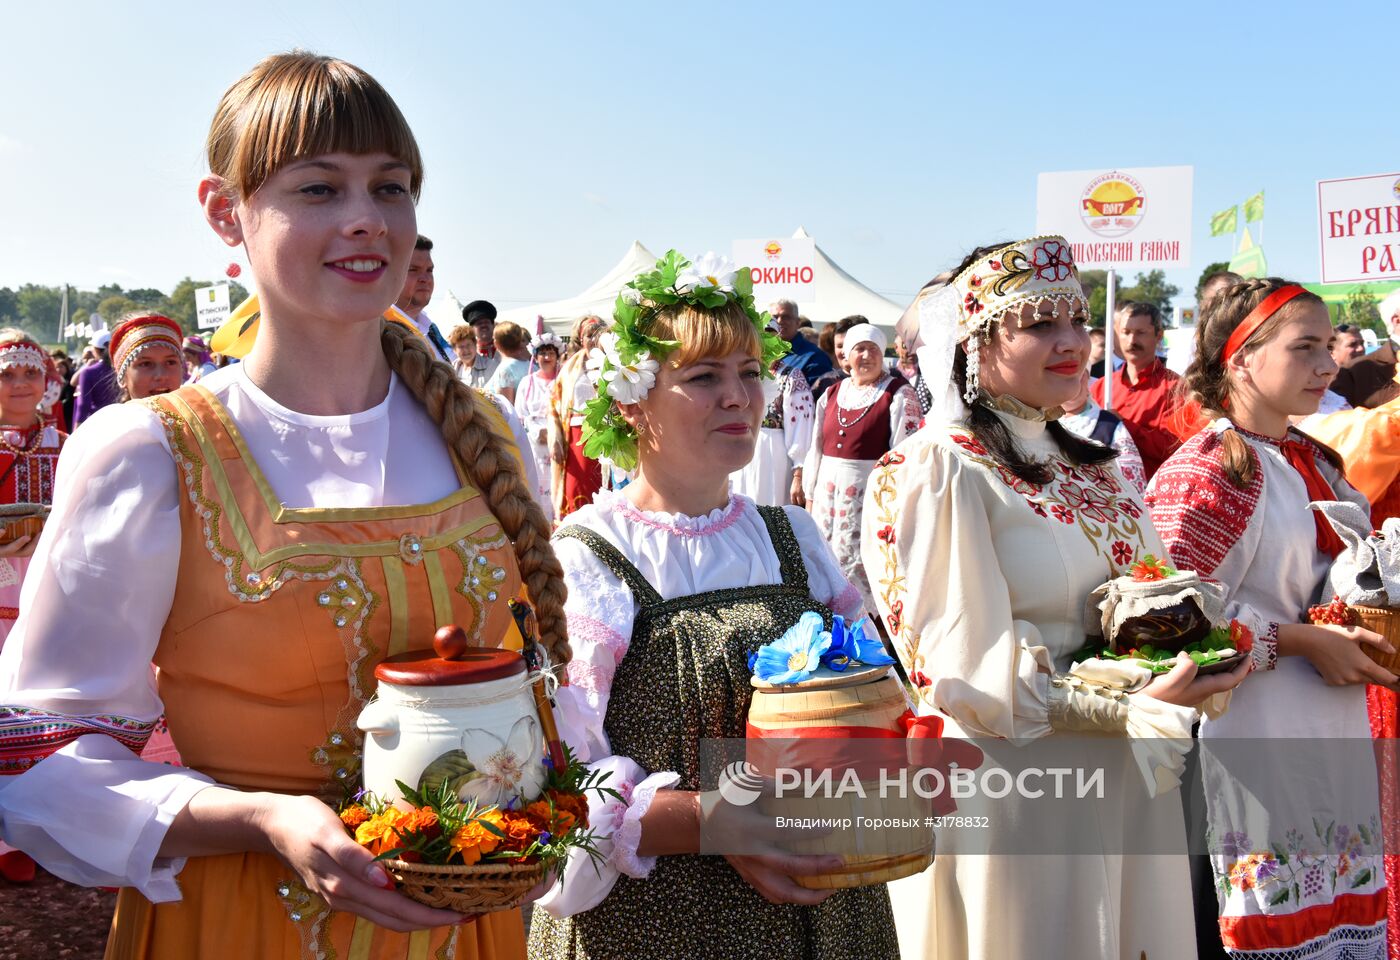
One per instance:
(451, 662)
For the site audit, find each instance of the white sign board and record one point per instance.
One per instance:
(1358, 220)
(1129, 217)
(783, 269)
(211, 306)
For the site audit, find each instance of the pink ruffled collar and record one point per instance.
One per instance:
(716, 521)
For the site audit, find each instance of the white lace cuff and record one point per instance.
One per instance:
(629, 833)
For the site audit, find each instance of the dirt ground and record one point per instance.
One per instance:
(51, 918)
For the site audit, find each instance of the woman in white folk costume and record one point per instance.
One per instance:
(265, 538)
(673, 583)
(532, 406)
(774, 476)
(857, 423)
(1304, 879)
(983, 536)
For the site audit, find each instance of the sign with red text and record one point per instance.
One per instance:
(1124, 217)
(1358, 221)
(782, 269)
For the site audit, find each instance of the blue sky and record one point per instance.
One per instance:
(898, 134)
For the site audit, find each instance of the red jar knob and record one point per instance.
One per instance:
(450, 642)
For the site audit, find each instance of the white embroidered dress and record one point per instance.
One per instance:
(1325, 898)
(680, 556)
(784, 437)
(532, 406)
(981, 579)
(833, 481)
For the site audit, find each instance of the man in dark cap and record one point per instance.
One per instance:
(480, 315)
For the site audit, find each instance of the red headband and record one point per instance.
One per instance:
(1257, 316)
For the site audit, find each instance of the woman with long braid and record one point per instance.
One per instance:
(265, 538)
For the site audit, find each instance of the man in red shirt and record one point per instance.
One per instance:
(1144, 390)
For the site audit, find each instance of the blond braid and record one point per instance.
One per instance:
(491, 468)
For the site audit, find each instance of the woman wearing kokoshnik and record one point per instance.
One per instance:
(29, 449)
(1297, 858)
(266, 538)
(673, 583)
(984, 534)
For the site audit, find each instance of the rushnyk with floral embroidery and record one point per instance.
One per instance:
(625, 363)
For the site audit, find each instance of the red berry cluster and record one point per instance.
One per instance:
(1336, 612)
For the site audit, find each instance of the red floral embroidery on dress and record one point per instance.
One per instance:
(1130, 507)
(1035, 505)
(920, 679)
(1016, 483)
(1099, 477)
(885, 534)
(896, 618)
(970, 444)
(1122, 553)
(1062, 513)
(1089, 502)
(890, 459)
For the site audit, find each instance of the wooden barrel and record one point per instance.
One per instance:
(861, 702)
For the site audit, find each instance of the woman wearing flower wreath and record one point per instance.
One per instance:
(532, 406)
(266, 538)
(673, 583)
(1305, 878)
(984, 534)
(860, 421)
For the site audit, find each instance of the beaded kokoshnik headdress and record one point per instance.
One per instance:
(24, 353)
(965, 308)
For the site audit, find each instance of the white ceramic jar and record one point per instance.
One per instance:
(467, 720)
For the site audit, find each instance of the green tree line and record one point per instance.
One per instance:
(36, 309)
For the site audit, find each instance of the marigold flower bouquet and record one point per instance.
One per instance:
(455, 854)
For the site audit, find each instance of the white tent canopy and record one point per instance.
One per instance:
(838, 295)
(559, 315)
(445, 310)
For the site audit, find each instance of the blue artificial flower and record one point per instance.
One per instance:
(851, 645)
(796, 654)
(544, 837)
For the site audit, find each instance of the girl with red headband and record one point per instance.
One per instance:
(1303, 879)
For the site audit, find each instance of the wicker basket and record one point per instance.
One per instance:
(1386, 622)
(479, 888)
